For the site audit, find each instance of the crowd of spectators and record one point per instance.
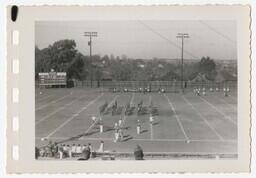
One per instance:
(80, 151)
(60, 151)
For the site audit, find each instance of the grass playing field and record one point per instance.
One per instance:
(186, 124)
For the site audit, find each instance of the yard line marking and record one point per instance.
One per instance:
(149, 140)
(91, 126)
(131, 102)
(43, 98)
(230, 105)
(151, 132)
(52, 102)
(177, 117)
(49, 115)
(203, 118)
(100, 117)
(57, 110)
(113, 100)
(124, 118)
(219, 111)
(151, 125)
(74, 116)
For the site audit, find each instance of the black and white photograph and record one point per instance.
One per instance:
(136, 90)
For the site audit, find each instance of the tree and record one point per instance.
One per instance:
(61, 56)
(191, 70)
(207, 66)
(62, 53)
(42, 60)
(76, 67)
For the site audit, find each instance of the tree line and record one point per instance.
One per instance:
(62, 56)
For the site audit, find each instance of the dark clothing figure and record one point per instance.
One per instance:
(55, 149)
(37, 153)
(138, 153)
(86, 153)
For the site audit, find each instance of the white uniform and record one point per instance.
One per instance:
(120, 122)
(116, 136)
(79, 149)
(151, 119)
(73, 149)
(101, 128)
(138, 127)
(61, 154)
(101, 149)
(69, 151)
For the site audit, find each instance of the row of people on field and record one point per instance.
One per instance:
(141, 90)
(128, 109)
(65, 150)
(199, 91)
(85, 151)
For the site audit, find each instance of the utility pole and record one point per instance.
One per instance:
(182, 36)
(90, 35)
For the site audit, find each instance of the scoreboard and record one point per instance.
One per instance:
(52, 79)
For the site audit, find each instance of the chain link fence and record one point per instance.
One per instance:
(168, 86)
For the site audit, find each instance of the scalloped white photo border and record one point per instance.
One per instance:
(21, 91)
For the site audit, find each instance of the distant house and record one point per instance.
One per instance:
(200, 78)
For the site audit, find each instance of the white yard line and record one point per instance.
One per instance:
(203, 118)
(52, 102)
(124, 118)
(43, 98)
(109, 105)
(177, 117)
(151, 125)
(224, 101)
(131, 102)
(219, 111)
(59, 109)
(151, 132)
(74, 116)
(113, 100)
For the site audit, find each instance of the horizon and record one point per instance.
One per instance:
(144, 39)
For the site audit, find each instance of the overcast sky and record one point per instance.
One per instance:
(145, 39)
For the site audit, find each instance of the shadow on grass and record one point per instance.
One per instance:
(126, 138)
(155, 123)
(144, 131)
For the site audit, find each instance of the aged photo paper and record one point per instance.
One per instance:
(128, 89)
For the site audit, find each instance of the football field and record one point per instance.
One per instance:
(186, 124)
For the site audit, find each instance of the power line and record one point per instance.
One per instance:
(219, 33)
(167, 39)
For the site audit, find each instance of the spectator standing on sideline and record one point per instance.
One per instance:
(138, 153)
(101, 149)
(86, 153)
(90, 147)
(73, 149)
(37, 153)
(60, 151)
